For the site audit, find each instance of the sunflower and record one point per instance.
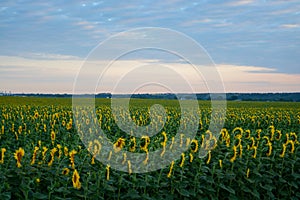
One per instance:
(75, 180)
(107, 172)
(221, 163)
(195, 149)
(20, 130)
(228, 141)
(164, 150)
(188, 142)
(165, 138)
(171, 168)
(146, 143)
(13, 127)
(181, 139)
(209, 157)
(129, 167)
(52, 153)
(248, 173)
(191, 157)
(279, 134)
(3, 150)
(239, 131)
(69, 125)
(232, 159)
(255, 151)
(272, 130)
(241, 150)
(97, 147)
(172, 143)
(109, 155)
(295, 138)
(34, 155)
(59, 150)
(65, 171)
(36, 114)
(18, 156)
(93, 160)
(72, 158)
(224, 133)
(270, 149)
(248, 134)
(66, 151)
(147, 158)
(291, 142)
(45, 128)
(258, 134)
(182, 160)
(45, 149)
(124, 158)
(53, 136)
(119, 144)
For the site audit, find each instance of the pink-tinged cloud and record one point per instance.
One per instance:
(50, 75)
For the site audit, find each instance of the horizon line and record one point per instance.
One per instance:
(151, 93)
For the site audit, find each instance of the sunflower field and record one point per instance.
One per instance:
(257, 153)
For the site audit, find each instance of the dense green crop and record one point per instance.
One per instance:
(42, 156)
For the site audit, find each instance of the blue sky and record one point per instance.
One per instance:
(259, 40)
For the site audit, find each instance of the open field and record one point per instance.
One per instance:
(42, 156)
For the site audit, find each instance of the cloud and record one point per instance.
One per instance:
(290, 26)
(240, 2)
(251, 69)
(39, 74)
(257, 79)
(49, 56)
(20, 74)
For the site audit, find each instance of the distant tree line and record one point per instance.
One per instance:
(294, 97)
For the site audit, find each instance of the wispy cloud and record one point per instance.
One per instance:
(240, 2)
(290, 26)
(49, 56)
(260, 79)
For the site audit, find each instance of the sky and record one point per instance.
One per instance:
(255, 45)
